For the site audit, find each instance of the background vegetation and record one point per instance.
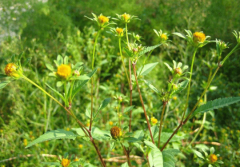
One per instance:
(42, 30)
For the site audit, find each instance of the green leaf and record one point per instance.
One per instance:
(50, 67)
(179, 34)
(168, 157)
(129, 53)
(128, 109)
(65, 61)
(79, 84)
(168, 66)
(59, 94)
(100, 135)
(155, 155)
(103, 105)
(181, 86)
(59, 60)
(124, 165)
(139, 134)
(197, 153)
(4, 83)
(132, 139)
(79, 131)
(146, 68)
(215, 104)
(148, 49)
(88, 113)
(55, 134)
(152, 87)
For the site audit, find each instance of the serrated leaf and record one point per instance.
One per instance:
(155, 155)
(148, 49)
(4, 83)
(151, 87)
(59, 94)
(146, 68)
(128, 109)
(168, 157)
(55, 134)
(215, 104)
(79, 131)
(129, 53)
(88, 113)
(179, 34)
(79, 84)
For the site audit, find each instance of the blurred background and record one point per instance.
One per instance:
(42, 29)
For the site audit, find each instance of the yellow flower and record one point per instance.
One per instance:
(178, 70)
(119, 31)
(201, 101)
(126, 17)
(174, 97)
(64, 71)
(116, 132)
(68, 129)
(154, 120)
(25, 142)
(199, 37)
(164, 37)
(11, 70)
(175, 86)
(110, 123)
(103, 19)
(80, 146)
(76, 159)
(65, 162)
(213, 158)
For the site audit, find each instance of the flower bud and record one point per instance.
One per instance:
(178, 71)
(198, 37)
(154, 120)
(103, 19)
(119, 31)
(65, 162)
(13, 70)
(213, 158)
(126, 17)
(116, 132)
(64, 71)
(163, 37)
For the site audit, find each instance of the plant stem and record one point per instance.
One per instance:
(145, 113)
(126, 29)
(85, 130)
(127, 155)
(161, 122)
(189, 84)
(130, 88)
(120, 49)
(93, 60)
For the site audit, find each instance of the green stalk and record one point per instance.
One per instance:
(161, 122)
(127, 36)
(120, 49)
(85, 130)
(189, 85)
(93, 60)
(141, 99)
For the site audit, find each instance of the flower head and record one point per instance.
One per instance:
(110, 123)
(103, 19)
(64, 71)
(164, 37)
(126, 17)
(65, 162)
(213, 158)
(178, 70)
(174, 97)
(154, 120)
(119, 31)
(12, 70)
(25, 142)
(116, 132)
(80, 146)
(199, 37)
